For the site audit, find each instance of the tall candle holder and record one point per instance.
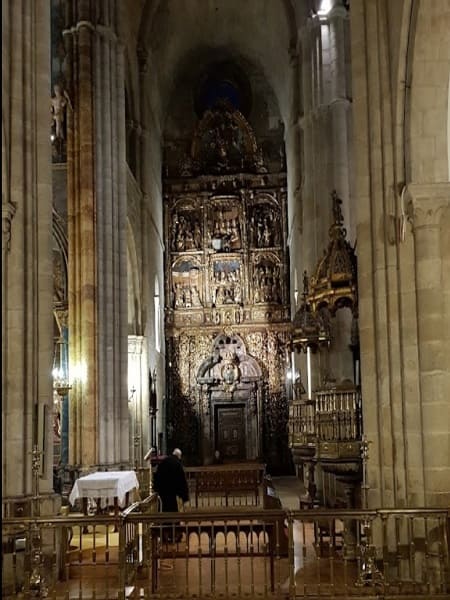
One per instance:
(132, 398)
(369, 574)
(35, 469)
(36, 582)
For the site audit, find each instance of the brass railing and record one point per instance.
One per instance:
(333, 416)
(338, 415)
(233, 553)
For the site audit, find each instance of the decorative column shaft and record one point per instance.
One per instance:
(97, 228)
(27, 348)
(81, 215)
(340, 104)
(385, 282)
(431, 206)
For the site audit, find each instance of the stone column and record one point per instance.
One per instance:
(385, 281)
(96, 168)
(340, 105)
(27, 344)
(431, 217)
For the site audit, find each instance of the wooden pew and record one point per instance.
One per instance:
(226, 482)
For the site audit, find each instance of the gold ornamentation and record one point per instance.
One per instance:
(334, 283)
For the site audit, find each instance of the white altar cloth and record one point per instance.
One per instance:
(106, 485)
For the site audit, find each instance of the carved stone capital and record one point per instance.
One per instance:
(135, 344)
(427, 202)
(8, 212)
(62, 316)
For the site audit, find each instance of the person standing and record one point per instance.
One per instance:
(170, 482)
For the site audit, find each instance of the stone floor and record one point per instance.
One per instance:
(288, 490)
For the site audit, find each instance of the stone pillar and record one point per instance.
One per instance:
(431, 216)
(27, 321)
(340, 105)
(385, 280)
(96, 169)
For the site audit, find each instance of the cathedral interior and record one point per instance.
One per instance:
(224, 230)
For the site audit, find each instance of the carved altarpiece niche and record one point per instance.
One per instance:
(227, 299)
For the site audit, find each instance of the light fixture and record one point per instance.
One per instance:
(61, 383)
(334, 282)
(310, 329)
(325, 8)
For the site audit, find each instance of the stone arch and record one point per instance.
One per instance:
(182, 21)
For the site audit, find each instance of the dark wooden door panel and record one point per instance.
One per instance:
(230, 433)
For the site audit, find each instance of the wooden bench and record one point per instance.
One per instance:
(226, 482)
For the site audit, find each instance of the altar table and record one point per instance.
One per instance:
(106, 487)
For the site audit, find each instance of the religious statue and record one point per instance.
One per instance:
(58, 104)
(197, 235)
(195, 297)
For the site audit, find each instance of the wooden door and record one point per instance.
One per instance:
(230, 433)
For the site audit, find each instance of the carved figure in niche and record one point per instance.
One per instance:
(228, 296)
(181, 235)
(237, 293)
(275, 296)
(264, 227)
(195, 297)
(58, 105)
(197, 236)
(174, 232)
(266, 234)
(177, 296)
(259, 231)
(235, 234)
(220, 296)
(189, 243)
(266, 281)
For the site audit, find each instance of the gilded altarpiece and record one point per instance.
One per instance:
(227, 301)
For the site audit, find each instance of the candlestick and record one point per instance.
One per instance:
(308, 367)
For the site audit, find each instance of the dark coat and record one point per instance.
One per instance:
(170, 482)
